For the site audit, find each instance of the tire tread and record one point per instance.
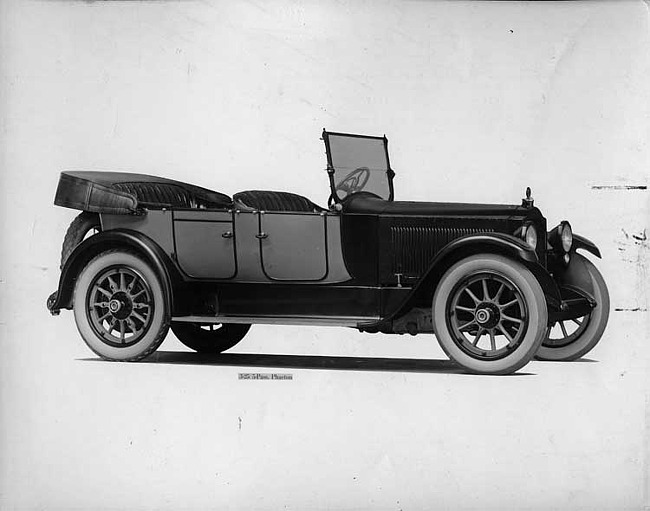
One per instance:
(76, 233)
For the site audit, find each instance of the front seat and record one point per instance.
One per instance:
(267, 200)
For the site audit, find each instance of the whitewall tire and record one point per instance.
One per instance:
(489, 314)
(120, 307)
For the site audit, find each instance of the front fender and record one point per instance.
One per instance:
(493, 243)
(576, 276)
(580, 242)
(107, 240)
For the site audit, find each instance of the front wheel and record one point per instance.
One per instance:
(209, 338)
(120, 307)
(489, 314)
(574, 338)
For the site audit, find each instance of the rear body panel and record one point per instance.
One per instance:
(204, 244)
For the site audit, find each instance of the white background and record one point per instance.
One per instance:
(478, 100)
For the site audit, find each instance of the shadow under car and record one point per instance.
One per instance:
(305, 362)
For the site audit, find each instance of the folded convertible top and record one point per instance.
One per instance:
(126, 193)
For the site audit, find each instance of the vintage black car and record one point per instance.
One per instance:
(495, 287)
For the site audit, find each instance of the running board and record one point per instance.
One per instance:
(348, 321)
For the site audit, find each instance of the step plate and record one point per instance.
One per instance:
(280, 320)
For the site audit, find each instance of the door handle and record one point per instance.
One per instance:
(227, 234)
(261, 236)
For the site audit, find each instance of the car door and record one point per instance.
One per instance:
(293, 245)
(205, 244)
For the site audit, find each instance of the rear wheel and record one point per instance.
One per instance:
(489, 314)
(86, 224)
(574, 338)
(120, 307)
(209, 338)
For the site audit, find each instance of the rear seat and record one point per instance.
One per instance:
(266, 200)
(124, 193)
(173, 195)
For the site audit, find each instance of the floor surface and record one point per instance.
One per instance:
(366, 421)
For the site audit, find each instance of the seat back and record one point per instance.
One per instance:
(173, 195)
(266, 200)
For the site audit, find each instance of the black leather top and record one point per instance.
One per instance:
(364, 202)
(123, 192)
(267, 200)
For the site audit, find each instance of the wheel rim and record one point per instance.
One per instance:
(563, 333)
(120, 306)
(487, 315)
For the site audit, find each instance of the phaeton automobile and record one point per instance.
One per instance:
(495, 287)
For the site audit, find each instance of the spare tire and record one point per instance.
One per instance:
(86, 224)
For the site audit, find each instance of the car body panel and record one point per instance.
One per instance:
(155, 225)
(293, 246)
(224, 245)
(296, 300)
(205, 244)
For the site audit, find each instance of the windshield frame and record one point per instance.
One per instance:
(331, 170)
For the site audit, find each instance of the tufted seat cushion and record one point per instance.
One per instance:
(173, 195)
(266, 200)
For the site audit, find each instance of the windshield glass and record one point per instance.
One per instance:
(359, 163)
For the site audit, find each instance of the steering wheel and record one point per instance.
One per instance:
(354, 181)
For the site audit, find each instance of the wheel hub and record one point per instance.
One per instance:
(120, 305)
(487, 315)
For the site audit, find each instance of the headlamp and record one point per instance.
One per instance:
(561, 237)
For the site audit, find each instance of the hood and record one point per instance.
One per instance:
(368, 204)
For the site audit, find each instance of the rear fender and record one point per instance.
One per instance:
(108, 240)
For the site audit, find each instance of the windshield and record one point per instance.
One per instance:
(358, 163)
